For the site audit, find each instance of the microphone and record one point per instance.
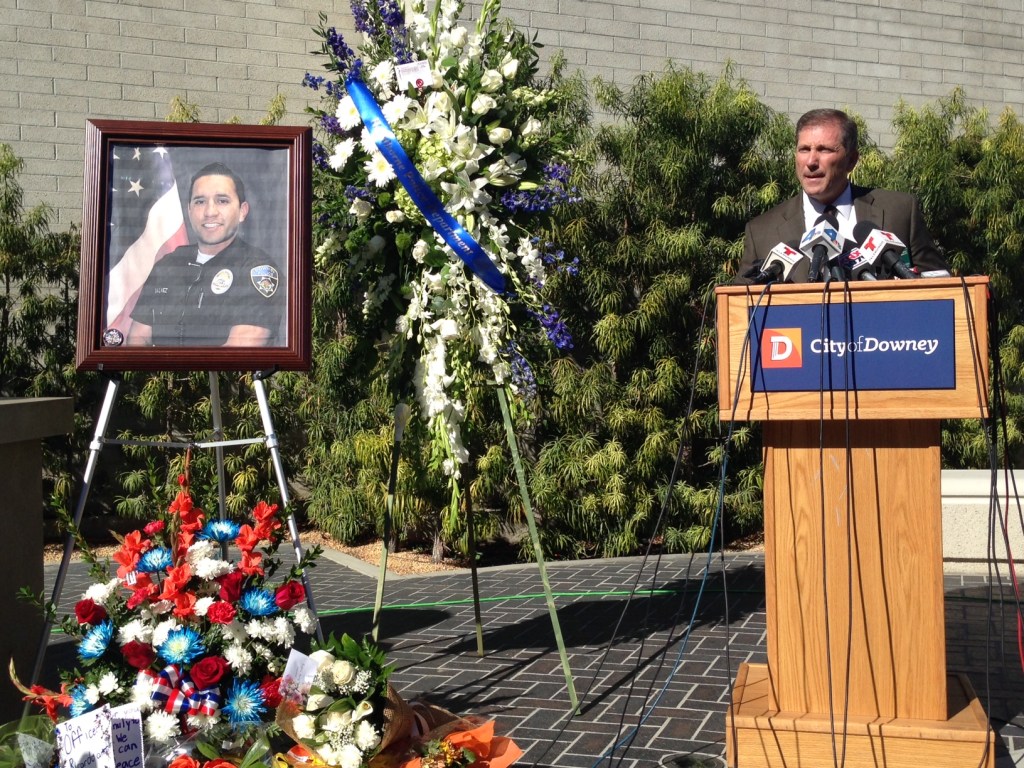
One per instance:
(884, 248)
(820, 243)
(858, 266)
(779, 264)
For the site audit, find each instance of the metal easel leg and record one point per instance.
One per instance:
(402, 411)
(282, 483)
(95, 446)
(218, 452)
(538, 552)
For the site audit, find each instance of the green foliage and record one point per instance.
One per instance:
(969, 176)
(687, 161)
(38, 290)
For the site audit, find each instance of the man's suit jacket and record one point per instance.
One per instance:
(895, 212)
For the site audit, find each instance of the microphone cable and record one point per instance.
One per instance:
(625, 741)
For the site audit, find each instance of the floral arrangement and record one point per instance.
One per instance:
(198, 642)
(484, 136)
(340, 715)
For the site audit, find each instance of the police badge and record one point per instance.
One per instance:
(264, 279)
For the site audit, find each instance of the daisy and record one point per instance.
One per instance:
(347, 114)
(342, 152)
(379, 170)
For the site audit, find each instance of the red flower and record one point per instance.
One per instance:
(271, 688)
(132, 547)
(289, 594)
(89, 612)
(208, 671)
(231, 586)
(250, 564)
(220, 762)
(221, 612)
(154, 527)
(138, 655)
(247, 539)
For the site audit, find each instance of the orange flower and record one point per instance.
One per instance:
(131, 549)
(491, 751)
(177, 579)
(183, 761)
(248, 538)
(251, 563)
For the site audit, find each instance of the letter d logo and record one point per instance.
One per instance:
(781, 348)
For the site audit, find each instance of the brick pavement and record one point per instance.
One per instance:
(651, 693)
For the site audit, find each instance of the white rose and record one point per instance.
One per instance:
(499, 135)
(420, 250)
(304, 726)
(482, 104)
(394, 217)
(491, 80)
(531, 126)
(376, 244)
(509, 68)
(343, 672)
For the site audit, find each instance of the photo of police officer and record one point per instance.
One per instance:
(220, 289)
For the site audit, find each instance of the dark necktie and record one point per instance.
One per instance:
(831, 215)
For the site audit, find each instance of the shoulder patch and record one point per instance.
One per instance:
(264, 279)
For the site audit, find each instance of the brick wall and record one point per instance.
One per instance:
(62, 61)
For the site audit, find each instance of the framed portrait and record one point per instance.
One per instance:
(195, 247)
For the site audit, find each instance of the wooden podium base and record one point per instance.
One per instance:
(758, 736)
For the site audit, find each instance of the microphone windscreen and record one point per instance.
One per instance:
(862, 229)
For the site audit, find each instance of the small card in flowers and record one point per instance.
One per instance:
(298, 676)
(416, 73)
(84, 741)
(126, 736)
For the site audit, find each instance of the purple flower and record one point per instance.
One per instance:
(521, 373)
(313, 81)
(556, 330)
(320, 156)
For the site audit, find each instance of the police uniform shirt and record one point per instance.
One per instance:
(191, 304)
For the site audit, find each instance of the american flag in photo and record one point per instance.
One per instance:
(146, 222)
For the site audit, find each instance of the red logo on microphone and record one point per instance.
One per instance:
(782, 348)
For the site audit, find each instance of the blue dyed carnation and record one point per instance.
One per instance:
(79, 704)
(245, 704)
(183, 644)
(155, 560)
(221, 531)
(96, 641)
(258, 602)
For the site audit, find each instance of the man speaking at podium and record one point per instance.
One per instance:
(826, 152)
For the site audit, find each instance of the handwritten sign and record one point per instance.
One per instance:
(126, 735)
(84, 741)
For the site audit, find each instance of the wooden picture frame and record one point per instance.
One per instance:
(195, 247)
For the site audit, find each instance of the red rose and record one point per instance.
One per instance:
(183, 761)
(231, 586)
(221, 613)
(89, 612)
(138, 655)
(154, 527)
(220, 762)
(208, 671)
(289, 594)
(271, 687)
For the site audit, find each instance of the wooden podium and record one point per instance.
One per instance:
(856, 671)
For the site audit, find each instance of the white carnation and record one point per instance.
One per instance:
(101, 593)
(200, 551)
(210, 568)
(108, 684)
(162, 726)
(304, 619)
(203, 604)
(350, 756)
(135, 630)
(366, 736)
(239, 658)
(162, 630)
(304, 726)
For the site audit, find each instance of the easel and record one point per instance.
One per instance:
(401, 418)
(217, 444)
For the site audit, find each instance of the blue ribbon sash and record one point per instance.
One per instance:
(457, 238)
